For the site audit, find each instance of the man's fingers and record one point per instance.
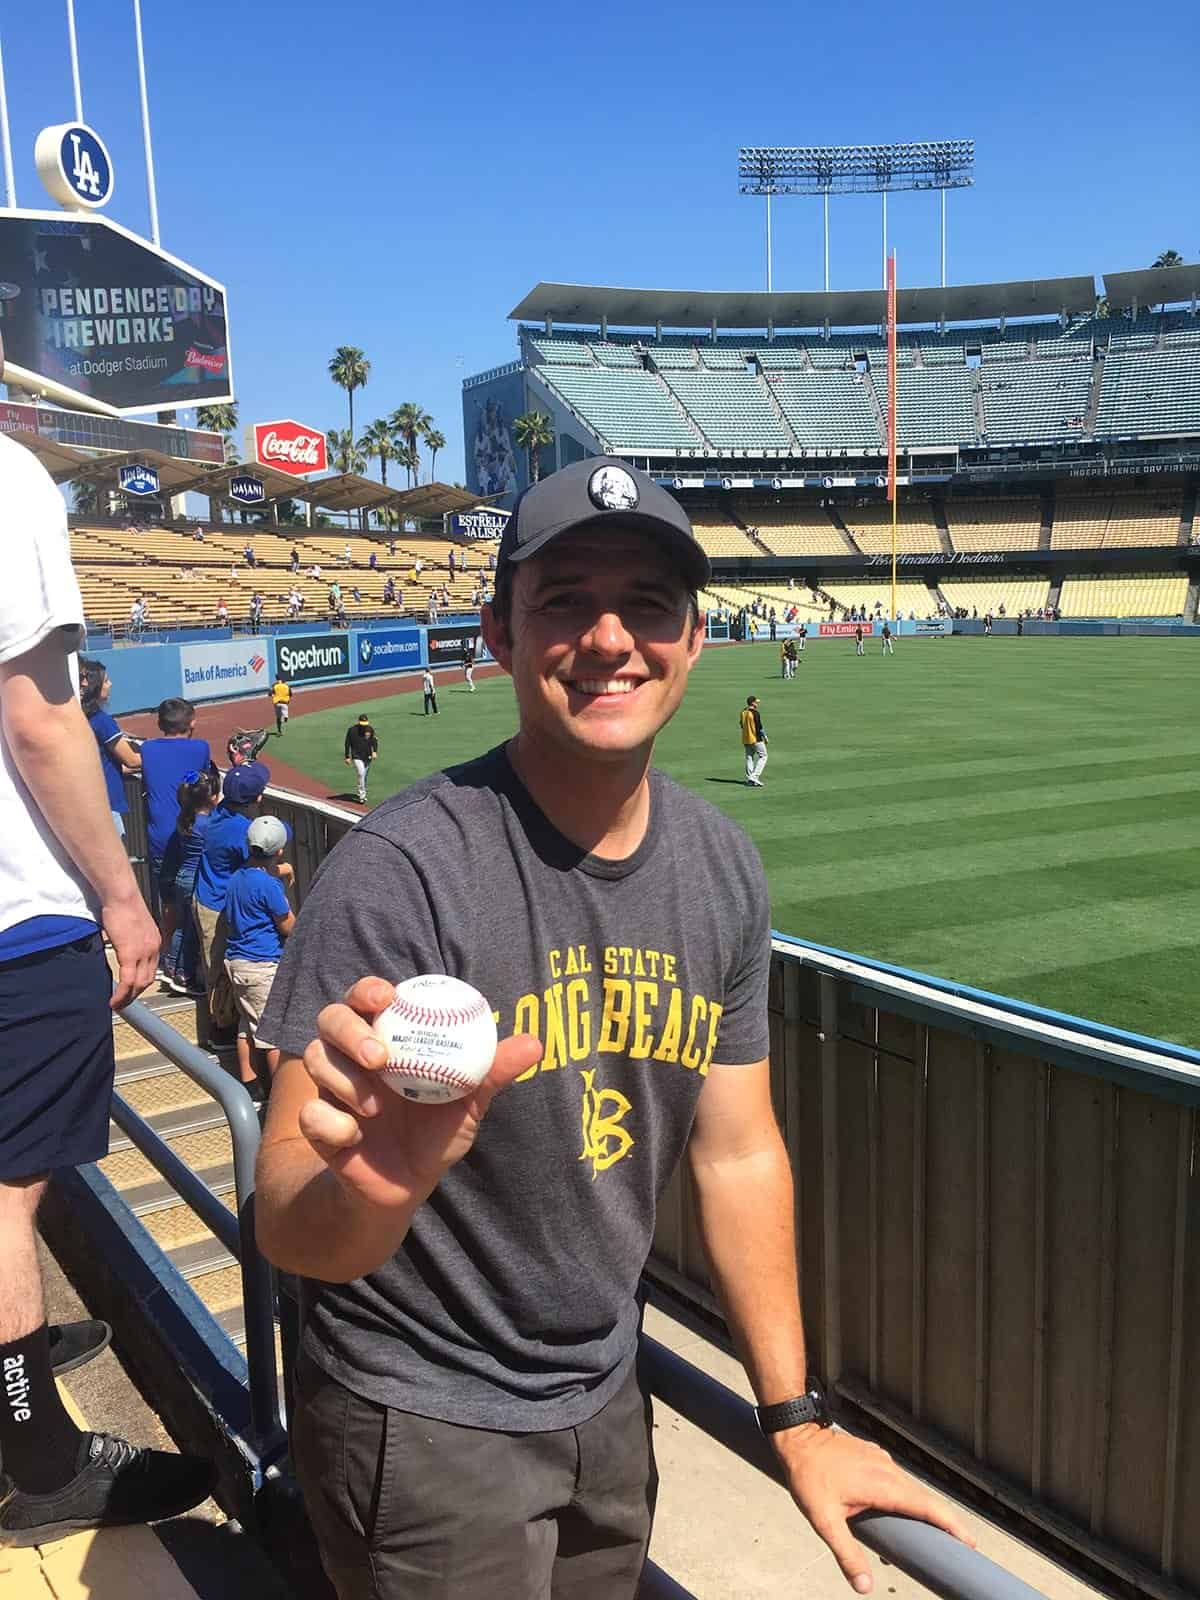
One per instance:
(327, 1128)
(847, 1552)
(369, 996)
(513, 1057)
(904, 1497)
(346, 1030)
(336, 1075)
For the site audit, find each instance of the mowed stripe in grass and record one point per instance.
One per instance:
(1013, 813)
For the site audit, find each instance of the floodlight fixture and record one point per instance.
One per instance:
(881, 169)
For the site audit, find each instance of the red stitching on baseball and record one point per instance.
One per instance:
(428, 1069)
(431, 1016)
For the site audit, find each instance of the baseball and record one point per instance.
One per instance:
(440, 1038)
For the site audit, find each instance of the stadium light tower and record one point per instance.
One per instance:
(856, 169)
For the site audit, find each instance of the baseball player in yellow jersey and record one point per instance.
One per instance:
(281, 699)
(754, 741)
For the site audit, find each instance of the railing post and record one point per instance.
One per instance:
(831, 1239)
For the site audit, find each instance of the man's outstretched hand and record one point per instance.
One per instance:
(389, 1151)
(833, 1476)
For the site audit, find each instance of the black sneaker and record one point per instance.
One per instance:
(73, 1344)
(117, 1485)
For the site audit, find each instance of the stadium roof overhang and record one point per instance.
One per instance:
(215, 482)
(1153, 286)
(844, 308)
(434, 500)
(62, 461)
(348, 491)
(174, 475)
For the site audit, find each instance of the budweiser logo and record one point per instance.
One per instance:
(290, 447)
(204, 358)
(304, 448)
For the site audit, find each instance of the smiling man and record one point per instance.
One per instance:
(468, 1417)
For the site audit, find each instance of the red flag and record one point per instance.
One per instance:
(891, 372)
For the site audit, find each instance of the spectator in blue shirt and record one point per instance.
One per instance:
(177, 883)
(258, 919)
(117, 755)
(225, 849)
(164, 762)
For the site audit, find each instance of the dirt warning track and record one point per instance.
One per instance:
(217, 721)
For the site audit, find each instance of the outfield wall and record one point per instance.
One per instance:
(225, 668)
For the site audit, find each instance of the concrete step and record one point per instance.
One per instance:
(152, 1094)
(144, 1199)
(171, 1124)
(174, 1226)
(150, 1064)
(200, 1260)
(209, 1147)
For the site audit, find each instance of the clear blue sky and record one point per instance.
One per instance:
(397, 178)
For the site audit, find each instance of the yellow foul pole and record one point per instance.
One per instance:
(892, 489)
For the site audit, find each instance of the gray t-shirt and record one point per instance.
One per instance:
(512, 1302)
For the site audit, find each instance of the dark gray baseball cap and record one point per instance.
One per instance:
(597, 493)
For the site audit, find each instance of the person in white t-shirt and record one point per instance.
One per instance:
(63, 875)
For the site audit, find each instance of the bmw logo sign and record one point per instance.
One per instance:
(365, 651)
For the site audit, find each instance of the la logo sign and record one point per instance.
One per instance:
(74, 165)
(290, 447)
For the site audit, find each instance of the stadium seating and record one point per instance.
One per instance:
(630, 410)
(1115, 521)
(798, 531)
(721, 537)
(915, 597)
(994, 524)
(917, 532)
(1033, 382)
(989, 594)
(183, 579)
(731, 409)
(1150, 391)
(1157, 595)
(828, 410)
(1035, 400)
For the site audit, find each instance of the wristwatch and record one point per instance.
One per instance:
(811, 1406)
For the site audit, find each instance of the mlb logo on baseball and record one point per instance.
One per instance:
(440, 1036)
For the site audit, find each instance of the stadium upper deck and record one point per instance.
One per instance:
(707, 383)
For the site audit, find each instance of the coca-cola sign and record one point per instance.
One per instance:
(290, 447)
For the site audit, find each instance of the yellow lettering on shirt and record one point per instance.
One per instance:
(690, 1056)
(645, 995)
(668, 1044)
(614, 1021)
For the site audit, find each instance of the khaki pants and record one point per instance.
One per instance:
(211, 933)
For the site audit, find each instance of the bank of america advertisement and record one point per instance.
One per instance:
(103, 318)
(210, 671)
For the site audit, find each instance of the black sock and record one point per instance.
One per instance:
(39, 1444)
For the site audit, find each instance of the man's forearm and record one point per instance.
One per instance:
(309, 1223)
(744, 1208)
(56, 754)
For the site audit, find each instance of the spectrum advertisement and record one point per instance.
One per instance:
(387, 650)
(313, 656)
(99, 315)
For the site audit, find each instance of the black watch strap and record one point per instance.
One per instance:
(811, 1406)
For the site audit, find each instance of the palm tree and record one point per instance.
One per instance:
(407, 457)
(85, 498)
(533, 434)
(434, 441)
(378, 440)
(349, 369)
(347, 455)
(1167, 258)
(410, 422)
(218, 419)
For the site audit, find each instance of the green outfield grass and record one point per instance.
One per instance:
(1013, 813)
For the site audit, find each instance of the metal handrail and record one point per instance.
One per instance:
(936, 1559)
(238, 1236)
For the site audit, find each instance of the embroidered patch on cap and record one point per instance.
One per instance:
(612, 489)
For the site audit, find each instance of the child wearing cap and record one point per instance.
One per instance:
(225, 849)
(258, 919)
